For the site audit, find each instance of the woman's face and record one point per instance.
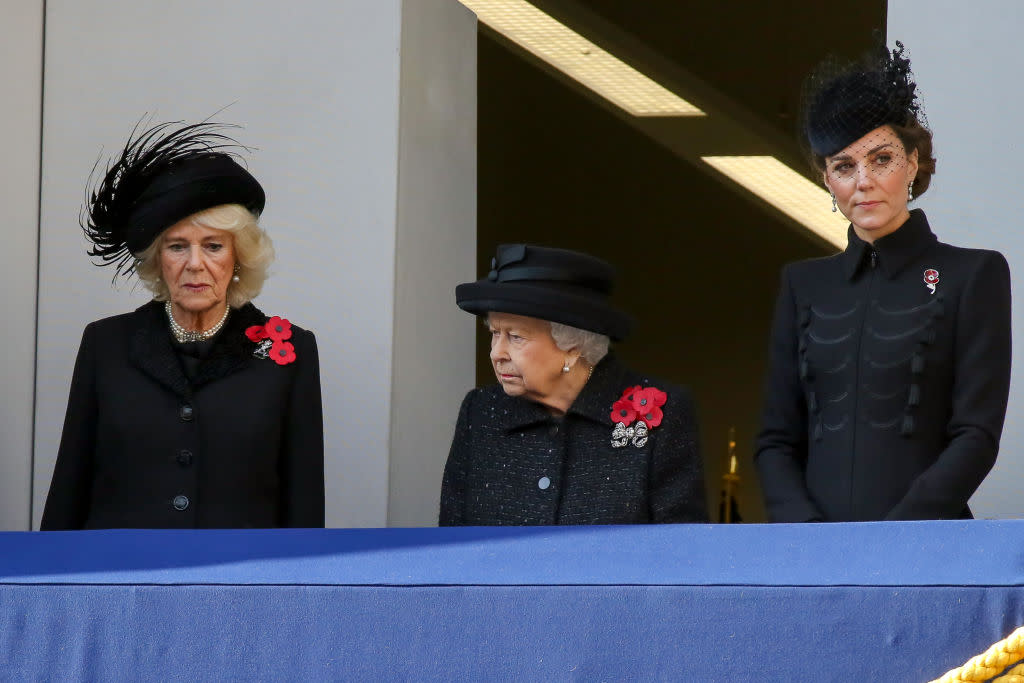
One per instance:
(526, 360)
(197, 264)
(869, 178)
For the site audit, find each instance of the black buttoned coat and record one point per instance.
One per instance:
(886, 396)
(239, 446)
(513, 463)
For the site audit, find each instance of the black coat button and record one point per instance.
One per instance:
(185, 457)
(553, 431)
(185, 413)
(180, 502)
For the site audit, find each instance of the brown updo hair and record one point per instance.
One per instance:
(915, 136)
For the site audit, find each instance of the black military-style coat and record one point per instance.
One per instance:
(513, 463)
(890, 371)
(241, 445)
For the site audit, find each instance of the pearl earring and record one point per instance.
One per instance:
(834, 206)
(237, 270)
(566, 368)
(910, 191)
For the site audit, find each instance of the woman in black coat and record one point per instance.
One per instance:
(890, 362)
(569, 435)
(196, 410)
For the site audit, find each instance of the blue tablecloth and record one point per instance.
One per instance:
(842, 602)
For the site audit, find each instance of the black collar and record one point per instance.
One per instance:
(895, 251)
(594, 402)
(151, 350)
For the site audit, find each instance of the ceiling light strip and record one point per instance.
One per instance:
(543, 36)
(786, 190)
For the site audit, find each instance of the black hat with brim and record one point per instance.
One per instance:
(186, 188)
(163, 175)
(557, 285)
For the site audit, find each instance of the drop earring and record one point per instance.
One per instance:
(235, 278)
(835, 207)
(910, 191)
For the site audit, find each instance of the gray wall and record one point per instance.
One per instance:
(436, 248)
(968, 58)
(21, 68)
(370, 176)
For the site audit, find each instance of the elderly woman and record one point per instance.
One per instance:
(569, 435)
(891, 360)
(197, 409)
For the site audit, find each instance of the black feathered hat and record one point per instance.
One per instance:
(842, 103)
(557, 285)
(164, 174)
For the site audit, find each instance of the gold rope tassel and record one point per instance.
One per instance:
(992, 662)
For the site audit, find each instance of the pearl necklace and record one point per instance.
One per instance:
(184, 336)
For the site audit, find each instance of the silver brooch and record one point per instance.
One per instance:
(622, 435)
(263, 348)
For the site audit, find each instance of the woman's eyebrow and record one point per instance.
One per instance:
(847, 157)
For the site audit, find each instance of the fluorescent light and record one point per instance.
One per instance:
(567, 51)
(786, 190)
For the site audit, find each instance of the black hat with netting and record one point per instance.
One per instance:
(844, 102)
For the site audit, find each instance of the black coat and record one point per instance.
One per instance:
(885, 400)
(513, 463)
(239, 446)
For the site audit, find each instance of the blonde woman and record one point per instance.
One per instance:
(197, 409)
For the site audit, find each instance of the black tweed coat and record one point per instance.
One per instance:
(239, 446)
(885, 399)
(513, 463)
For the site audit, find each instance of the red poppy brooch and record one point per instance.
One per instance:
(641, 405)
(271, 340)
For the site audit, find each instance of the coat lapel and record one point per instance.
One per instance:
(232, 351)
(604, 387)
(151, 351)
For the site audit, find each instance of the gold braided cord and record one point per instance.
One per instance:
(1014, 675)
(992, 662)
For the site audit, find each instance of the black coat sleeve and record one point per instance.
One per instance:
(67, 503)
(781, 455)
(981, 385)
(302, 461)
(676, 491)
(453, 504)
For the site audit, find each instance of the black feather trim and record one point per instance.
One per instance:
(147, 156)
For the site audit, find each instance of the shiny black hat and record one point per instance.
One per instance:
(558, 285)
(842, 103)
(164, 174)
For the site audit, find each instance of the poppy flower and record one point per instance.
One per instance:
(278, 329)
(627, 394)
(651, 418)
(256, 333)
(646, 403)
(623, 411)
(649, 397)
(282, 352)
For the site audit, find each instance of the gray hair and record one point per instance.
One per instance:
(591, 345)
(254, 252)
